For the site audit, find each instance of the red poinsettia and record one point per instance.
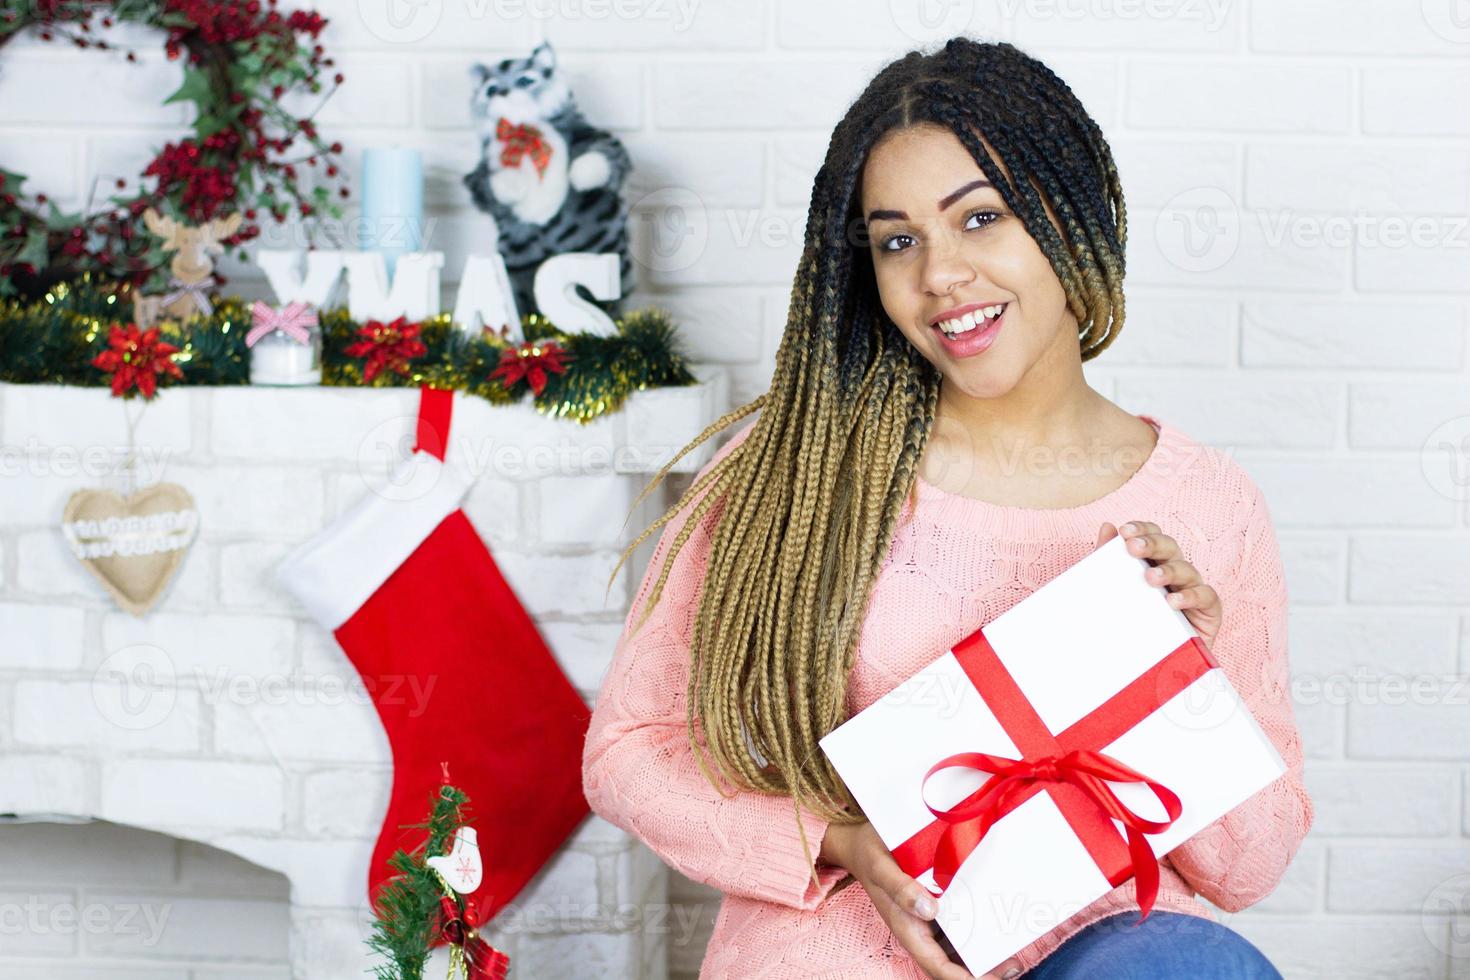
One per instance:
(387, 346)
(530, 360)
(135, 359)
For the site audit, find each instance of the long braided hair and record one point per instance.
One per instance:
(811, 498)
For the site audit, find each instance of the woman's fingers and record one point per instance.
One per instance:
(1175, 573)
(915, 899)
(906, 893)
(915, 937)
(1195, 597)
(1145, 540)
(1003, 972)
(1156, 547)
(1134, 528)
(911, 909)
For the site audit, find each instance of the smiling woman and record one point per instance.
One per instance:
(948, 272)
(959, 274)
(963, 258)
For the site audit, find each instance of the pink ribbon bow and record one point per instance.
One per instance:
(292, 320)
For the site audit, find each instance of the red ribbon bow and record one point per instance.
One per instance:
(481, 960)
(1066, 765)
(521, 139)
(968, 821)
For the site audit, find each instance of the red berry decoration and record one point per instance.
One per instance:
(226, 162)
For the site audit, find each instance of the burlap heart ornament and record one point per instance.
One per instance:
(133, 544)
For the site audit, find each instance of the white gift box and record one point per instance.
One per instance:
(1096, 655)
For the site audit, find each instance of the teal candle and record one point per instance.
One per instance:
(392, 201)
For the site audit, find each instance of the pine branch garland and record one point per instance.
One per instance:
(407, 905)
(54, 339)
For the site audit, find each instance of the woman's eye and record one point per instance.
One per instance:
(992, 216)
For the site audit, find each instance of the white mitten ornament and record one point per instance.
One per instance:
(461, 867)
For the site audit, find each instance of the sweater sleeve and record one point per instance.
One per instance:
(639, 771)
(1240, 858)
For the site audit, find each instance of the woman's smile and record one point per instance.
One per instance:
(973, 331)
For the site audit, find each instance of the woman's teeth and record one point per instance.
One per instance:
(971, 320)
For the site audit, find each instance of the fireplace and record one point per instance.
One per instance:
(226, 722)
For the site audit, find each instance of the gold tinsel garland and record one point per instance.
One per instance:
(52, 341)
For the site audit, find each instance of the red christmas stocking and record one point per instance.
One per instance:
(455, 666)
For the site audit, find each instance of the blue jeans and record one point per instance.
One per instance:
(1166, 946)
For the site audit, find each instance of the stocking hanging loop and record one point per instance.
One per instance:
(436, 409)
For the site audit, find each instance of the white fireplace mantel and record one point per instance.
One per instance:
(226, 716)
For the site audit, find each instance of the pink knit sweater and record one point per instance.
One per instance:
(955, 564)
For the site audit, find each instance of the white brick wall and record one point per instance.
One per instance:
(1315, 338)
(136, 904)
(226, 717)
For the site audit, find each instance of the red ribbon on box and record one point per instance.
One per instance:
(1067, 765)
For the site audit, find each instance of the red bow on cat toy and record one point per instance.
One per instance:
(521, 139)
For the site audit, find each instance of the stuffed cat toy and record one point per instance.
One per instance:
(549, 178)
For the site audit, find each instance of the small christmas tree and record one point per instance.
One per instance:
(418, 908)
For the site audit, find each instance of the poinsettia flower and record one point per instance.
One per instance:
(387, 346)
(530, 361)
(135, 359)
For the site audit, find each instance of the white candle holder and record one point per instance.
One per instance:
(280, 359)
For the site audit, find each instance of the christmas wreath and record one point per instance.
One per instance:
(241, 59)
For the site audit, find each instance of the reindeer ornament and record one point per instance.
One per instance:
(192, 267)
